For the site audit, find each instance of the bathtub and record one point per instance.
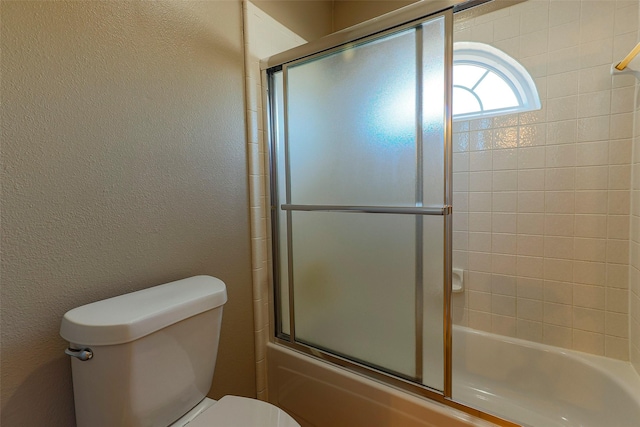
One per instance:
(541, 385)
(534, 384)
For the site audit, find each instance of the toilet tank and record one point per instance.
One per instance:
(154, 352)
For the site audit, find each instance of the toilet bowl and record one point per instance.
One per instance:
(146, 359)
(234, 411)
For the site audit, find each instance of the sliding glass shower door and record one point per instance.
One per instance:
(360, 201)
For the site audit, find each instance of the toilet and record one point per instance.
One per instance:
(146, 359)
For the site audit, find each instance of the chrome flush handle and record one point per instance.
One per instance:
(83, 354)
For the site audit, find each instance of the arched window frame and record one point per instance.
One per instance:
(506, 67)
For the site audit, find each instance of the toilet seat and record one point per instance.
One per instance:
(234, 411)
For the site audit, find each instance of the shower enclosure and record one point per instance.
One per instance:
(379, 189)
(361, 185)
(361, 195)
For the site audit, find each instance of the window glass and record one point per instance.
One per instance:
(488, 82)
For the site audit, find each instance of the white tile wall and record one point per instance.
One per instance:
(544, 197)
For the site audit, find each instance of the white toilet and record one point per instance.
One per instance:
(146, 359)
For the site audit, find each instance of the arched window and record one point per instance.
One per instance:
(487, 82)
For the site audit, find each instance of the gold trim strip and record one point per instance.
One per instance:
(627, 59)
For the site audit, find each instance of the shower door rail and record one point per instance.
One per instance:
(407, 210)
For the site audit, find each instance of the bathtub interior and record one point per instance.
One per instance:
(540, 385)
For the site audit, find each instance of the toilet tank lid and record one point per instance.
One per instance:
(131, 316)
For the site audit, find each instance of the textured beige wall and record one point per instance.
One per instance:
(347, 12)
(124, 166)
(310, 19)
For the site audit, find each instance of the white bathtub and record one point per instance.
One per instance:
(535, 384)
(541, 385)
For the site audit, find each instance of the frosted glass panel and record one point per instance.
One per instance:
(354, 286)
(365, 126)
(433, 297)
(433, 111)
(351, 125)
